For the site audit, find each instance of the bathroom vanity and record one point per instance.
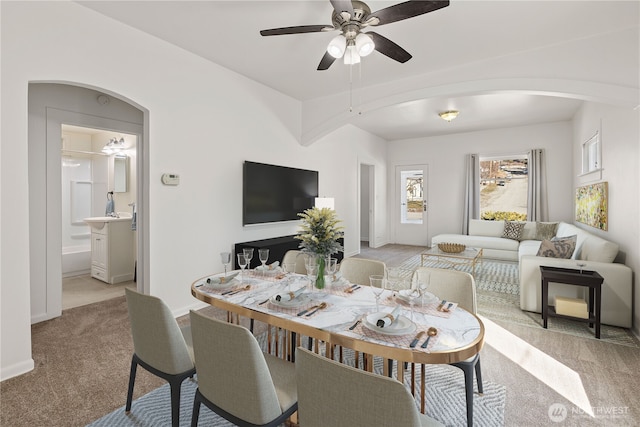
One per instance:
(112, 244)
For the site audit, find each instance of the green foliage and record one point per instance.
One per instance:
(503, 216)
(320, 231)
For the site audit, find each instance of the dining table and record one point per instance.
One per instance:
(345, 315)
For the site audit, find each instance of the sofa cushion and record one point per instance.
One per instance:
(546, 230)
(528, 247)
(558, 247)
(513, 230)
(481, 227)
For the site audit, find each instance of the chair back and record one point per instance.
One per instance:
(451, 285)
(334, 394)
(157, 338)
(358, 270)
(232, 371)
(296, 257)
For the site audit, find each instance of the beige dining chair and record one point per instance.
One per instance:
(459, 287)
(358, 270)
(333, 394)
(296, 257)
(160, 346)
(236, 380)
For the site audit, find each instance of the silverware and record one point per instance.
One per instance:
(264, 302)
(448, 307)
(439, 308)
(235, 291)
(417, 338)
(432, 332)
(305, 311)
(352, 327)
(320, 307)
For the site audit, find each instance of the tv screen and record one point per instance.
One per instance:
(276, 193)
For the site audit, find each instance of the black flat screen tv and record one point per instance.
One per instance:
(273, 193)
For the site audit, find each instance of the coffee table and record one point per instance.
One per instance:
(470, 256)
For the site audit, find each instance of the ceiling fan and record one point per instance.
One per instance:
(350, 18)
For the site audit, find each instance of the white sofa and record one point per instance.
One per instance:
(595, 252)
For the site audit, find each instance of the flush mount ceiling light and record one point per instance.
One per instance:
(449, 115)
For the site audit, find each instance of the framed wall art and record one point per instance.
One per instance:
(591, 205)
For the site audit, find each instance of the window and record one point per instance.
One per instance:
(591, 154)
(504, 182)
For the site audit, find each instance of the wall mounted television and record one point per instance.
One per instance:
(273, 193)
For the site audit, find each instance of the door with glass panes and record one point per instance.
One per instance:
(410, 210)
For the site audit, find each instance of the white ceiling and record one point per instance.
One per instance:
(465, 32)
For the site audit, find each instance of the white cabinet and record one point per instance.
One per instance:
(112, 258)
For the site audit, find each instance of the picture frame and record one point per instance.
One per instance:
(592, 205)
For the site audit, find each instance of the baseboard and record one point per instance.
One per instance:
(16, 369)
(197, 305)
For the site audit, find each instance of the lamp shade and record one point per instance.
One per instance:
(351, 55)
(337, 46)
(325, 202)
(364, 44)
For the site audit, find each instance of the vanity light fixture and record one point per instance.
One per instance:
(113, 146)
(449, 115)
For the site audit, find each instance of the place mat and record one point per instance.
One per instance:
(398, 340)
(430, 309)
(269, 275)
(341, 290)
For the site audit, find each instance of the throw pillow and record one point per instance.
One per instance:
(513, 230)
(558, 247)
(546, 230)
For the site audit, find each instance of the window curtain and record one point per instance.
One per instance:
(472, 192)
(537, 209)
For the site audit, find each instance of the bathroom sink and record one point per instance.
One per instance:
(98, 222)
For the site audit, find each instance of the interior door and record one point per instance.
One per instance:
(410, 210)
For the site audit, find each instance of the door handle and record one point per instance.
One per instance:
(424, 205)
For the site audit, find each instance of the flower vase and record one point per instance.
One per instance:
(321, 268)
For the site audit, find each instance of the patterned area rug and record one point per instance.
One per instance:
(498, 293)
(445, 401)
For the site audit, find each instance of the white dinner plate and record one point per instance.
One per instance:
(428, 297)
(401, 326)
(299, 301)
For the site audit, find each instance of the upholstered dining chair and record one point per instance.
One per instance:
(297, 258)
(460, 287)
(236, 380)
(333, 394)
(160, 346)
(358, 270)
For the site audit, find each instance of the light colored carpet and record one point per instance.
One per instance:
(498, 294)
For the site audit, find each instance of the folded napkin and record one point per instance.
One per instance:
(288, 296)
(388, 319)
(221, 279)
(268, 267)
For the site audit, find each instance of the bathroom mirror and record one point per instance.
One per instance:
(120, 174)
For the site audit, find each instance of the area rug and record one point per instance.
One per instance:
(498, 292)
(445, 402)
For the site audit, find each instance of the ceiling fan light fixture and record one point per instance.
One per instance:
(351, 55)
(449, 115)
(364, 44)
(337, 46)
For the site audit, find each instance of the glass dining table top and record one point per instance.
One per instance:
(347, 313)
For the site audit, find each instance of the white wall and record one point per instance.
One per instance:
(620, 138)
(445, 156)
(203, 122)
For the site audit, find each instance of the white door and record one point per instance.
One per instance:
(410, 210)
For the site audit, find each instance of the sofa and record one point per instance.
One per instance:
(594, 252)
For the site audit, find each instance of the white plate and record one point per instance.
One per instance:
(401, 326)
(294, 303)
(428, 297)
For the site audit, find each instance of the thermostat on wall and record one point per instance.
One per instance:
(170, 179)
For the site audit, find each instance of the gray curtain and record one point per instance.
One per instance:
(472, 192)
(537, 209)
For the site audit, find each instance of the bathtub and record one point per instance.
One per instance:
(76, 260)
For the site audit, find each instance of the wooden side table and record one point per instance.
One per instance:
(586, 278)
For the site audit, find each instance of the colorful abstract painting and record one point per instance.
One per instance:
(591, 205)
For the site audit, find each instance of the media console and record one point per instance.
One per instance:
(277, 246)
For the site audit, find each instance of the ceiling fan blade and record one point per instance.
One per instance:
(389, 48)
(342, 6)
(297, 30)
(405, 10)
(326, 62)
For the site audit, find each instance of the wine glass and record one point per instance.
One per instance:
(225, 257)
(312, 273)
(242, 262)
(412, 295)
(422, 288)
(288, 267)
(263, 254)
(331, 266)
(248, 254)
(377, 286)
(581, 265)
